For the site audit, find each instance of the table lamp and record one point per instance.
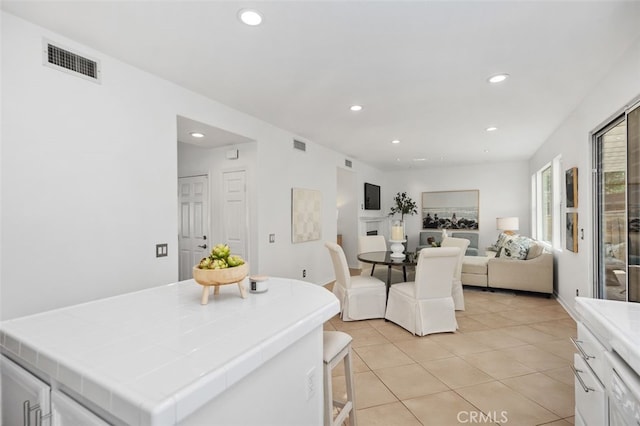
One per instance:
(508, 225)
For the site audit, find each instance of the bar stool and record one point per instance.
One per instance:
(337, 347)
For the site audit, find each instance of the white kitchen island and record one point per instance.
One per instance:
(159, 357)
(607, 365)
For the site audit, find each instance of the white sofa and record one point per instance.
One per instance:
(534, 273)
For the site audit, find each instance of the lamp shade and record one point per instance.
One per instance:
(507, 223)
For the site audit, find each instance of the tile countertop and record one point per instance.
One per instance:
(617, 323)
(157, 355)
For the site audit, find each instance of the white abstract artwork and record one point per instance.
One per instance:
(306, 215)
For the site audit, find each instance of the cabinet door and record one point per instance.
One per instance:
(67, 412)
(19, 388)
(591, 399)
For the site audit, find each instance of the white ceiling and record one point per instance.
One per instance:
(419, 68)
(214, 137)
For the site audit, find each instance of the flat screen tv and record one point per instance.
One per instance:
(371, 196)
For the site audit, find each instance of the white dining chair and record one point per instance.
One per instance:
(425, 306)
(369, 243)
(361, 297)
(456, 289)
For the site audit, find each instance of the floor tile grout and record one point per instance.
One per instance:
(548, 348)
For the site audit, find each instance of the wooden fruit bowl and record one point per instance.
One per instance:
(217, 277)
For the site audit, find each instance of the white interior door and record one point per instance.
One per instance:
(194, 223)
(234, 212)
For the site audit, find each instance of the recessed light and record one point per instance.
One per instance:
(486, 151)
(498, 78)
(250, 17)
(395, 141)
(491, 129)
(419, 159)
(197, 135)
(356, 108)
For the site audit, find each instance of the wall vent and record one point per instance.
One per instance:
(348, 163)
(299, 145)
(68, 61)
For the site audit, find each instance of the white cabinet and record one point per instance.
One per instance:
(28, 401)
(591, 399)
(25, 398)
(589, 368)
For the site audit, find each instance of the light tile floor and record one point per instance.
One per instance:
(508, 364)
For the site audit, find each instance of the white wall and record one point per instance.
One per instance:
(572, 140)
(86, 172)
(347, 205)
(504, 191)
(282, 168)
(89, 179)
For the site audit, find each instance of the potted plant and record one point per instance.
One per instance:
(403, 205)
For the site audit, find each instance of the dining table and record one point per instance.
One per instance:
(385, 258)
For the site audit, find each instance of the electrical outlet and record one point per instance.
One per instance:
(272, 238)
(162, 250)
(310, 383)
(304, 273)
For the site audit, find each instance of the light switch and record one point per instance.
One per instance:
(162, 250)
(272, 238)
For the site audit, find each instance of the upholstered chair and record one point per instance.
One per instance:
(472, 250)
(425, 306)
(456, 290)
(369, 243)
(361, 297)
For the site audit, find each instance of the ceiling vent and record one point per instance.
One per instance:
(348, 163)
(299, 145)
(65, 60)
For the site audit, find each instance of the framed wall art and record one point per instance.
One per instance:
(306, 215)
(450, 209)
(571, 181)
(572, 232)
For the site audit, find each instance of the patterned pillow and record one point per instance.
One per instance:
(535, 250)
(502, 238)
(516, 248)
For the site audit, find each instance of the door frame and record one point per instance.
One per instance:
(596, 252)
(610, 122)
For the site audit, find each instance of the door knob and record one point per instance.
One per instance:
(204, 246)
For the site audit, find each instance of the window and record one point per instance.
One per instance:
(545, 188)
(546, 204)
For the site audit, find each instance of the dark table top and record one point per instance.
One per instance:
(384, 258)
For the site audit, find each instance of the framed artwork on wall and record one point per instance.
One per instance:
(571, 180)
(572, 232)
(450, 209)
(306, 215)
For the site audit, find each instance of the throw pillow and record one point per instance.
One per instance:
(502, 239)
(516, 248)
(535, 250)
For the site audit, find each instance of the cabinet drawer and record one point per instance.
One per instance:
(591, 400)
(591, 350)
(67, 412)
